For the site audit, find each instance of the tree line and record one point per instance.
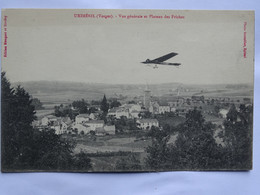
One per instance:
(26, 148)
(196, 148)
(84, 107)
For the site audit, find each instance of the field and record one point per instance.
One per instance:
(112, 144)
(44, 112)
(108, 151)
(66, 92)
(105, 152)
(110, 163)
(172, 121)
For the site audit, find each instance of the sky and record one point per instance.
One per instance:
(54, 45)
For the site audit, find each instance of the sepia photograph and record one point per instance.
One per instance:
(126, 90)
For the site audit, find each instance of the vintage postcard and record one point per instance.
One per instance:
(126, 90)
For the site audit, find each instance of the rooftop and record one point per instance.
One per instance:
(95, 122)
(51, 116)
(100, 130)
(163, 103)
(113, 109)
(147, 120)
(83, 115)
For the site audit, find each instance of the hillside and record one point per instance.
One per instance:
(61, 92)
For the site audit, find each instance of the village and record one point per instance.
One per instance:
(143, 113)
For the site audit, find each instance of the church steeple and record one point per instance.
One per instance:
(147, 97)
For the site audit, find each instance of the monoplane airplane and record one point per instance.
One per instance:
(160, 60)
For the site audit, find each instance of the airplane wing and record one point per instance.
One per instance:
(171, 64)
(163, 58)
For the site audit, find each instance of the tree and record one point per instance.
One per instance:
(115, 103)
(9, 145)
(37, 104)
(121, 123)
(232, 115)
(57, 111)
(212, 101)
(82, 133)
(104, 105)
(145, 114)
(195, 147)
(51, 151)
(64, 111)
(217, 109)
(188, 101)
(82, 162)
(202, 99)
(25, 148)
(158, 152)
(129, 163)
(92, 133)
(95, 102)
(92, 110)
(81, 106)
(194, 123)
(238, 136)
(17, 116)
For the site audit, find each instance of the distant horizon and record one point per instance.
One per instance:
(100, 83)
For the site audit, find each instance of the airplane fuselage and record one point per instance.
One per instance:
(160, 63)
(160, 60)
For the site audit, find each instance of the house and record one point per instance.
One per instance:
(106, 130)
(46, 120)
(132, 107)
(36, 123)
(122, 112)
(223, 113)
(151, 109)
(147, 123)
(100, 131)
(135, 107)
(154, 108)
(59, 126)
(173, 109)
(67, 120)
(93, 124)
(164, 107)
(184, 109)
(81, 128)
(118, 112)
(176, 102)
(110, 129)
(112, 112)
(82, 118)
(93, 116)
(134, 114)
(159, 107)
